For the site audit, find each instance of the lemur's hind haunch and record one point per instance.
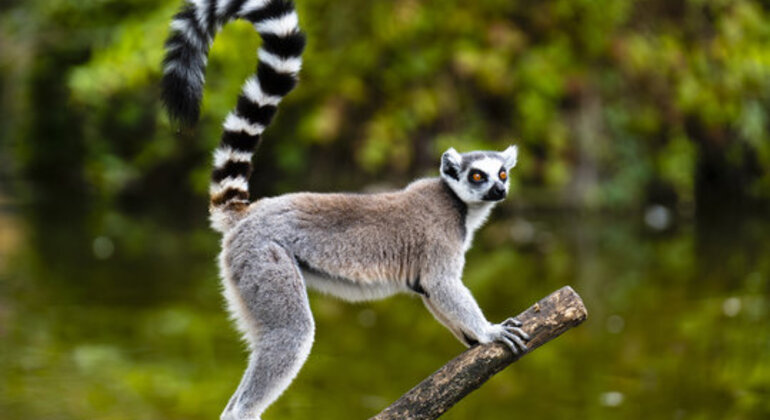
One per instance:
(355, 246)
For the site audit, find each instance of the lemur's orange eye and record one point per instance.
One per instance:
(503, 175)
(476, 177)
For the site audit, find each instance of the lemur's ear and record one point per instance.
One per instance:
(450, 163)
(510, 154)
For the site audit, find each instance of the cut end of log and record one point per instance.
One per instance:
(552, 315)
(579, 308)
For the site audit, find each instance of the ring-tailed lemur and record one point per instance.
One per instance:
(355, 246)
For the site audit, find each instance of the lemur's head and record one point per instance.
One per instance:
(478, 177)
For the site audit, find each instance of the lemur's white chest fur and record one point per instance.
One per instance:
(477, 215)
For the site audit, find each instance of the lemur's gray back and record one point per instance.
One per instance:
(192, 32)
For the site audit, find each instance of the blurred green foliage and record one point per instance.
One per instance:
(616, 103)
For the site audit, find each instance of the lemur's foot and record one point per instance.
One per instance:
(512, 336)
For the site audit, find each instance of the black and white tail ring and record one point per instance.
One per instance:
(280, 58)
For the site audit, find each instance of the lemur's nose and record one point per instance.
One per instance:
(496, 193)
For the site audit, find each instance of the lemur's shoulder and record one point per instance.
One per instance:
(449, 210)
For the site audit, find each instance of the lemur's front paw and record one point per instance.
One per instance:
(509, 333)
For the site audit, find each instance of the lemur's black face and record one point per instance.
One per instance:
(494, 186)
(478, 177)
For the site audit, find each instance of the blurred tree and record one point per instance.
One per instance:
(616, 103)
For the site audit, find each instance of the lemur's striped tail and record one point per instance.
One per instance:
(192, 32)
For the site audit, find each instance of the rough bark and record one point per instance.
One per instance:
(543, 321)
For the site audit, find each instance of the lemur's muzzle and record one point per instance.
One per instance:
(496, 193)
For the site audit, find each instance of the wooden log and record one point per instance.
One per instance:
(543, 321)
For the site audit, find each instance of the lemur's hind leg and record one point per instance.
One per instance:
(268, 296)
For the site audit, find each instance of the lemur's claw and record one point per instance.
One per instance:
(509, 333)
(512, 321)
(515, 339)
(512, 325)
(519, 332)
(510, 345)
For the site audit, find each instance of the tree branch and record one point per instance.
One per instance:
(543, 321)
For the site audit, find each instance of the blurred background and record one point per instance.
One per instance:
(643, 181)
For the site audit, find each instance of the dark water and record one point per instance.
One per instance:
(123, 320)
